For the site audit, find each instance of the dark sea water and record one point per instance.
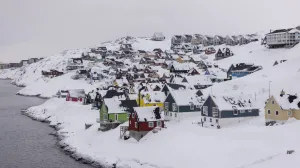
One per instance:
(25, 143)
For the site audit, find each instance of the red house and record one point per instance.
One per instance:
(143, 120)
(193, 71)
(76, 95)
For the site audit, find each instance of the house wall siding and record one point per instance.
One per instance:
(186, 109)
(210, 104)
(273, 108)
(229, 113)
(122, 117)
(282, 113)
(170, 100)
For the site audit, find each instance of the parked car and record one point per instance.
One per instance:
(210, 50)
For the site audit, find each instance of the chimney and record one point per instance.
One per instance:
(270, 30)
(282, 93)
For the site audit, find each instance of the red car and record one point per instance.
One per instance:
(210, 50)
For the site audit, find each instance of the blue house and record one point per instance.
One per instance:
(183, 103)
(241, 70)
(224, 110)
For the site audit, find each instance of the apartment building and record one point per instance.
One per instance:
(283, 38)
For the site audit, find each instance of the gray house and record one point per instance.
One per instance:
(24, 62)
(218, 40)
(187, 38)
(183, 103)
(158, 36)
(219, 111)
(231, 40)
(177, 39)
(4, 66)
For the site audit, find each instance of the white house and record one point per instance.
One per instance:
(158, 36)
(283, 38)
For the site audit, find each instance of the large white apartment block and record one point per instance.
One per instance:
(283, 38)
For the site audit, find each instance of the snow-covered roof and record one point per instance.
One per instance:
(147, 113)
(183, 66)
(77, 93)
(122, 81)
(240, 101)
(184, 97)
(217, 73)
(154, 96)
(294, 31)
(159, 61)
(284, 101)
(158, 34)
(199, 80)
(113, 105)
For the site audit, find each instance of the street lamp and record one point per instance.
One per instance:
(270, 89)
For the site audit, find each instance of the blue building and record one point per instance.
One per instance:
(219, 111)
(241, 70)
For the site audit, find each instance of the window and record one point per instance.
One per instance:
(192, 106)
(205, 110)
(277, 113)
(158, 124)
(215, 112)
(242, 111)
(105, 116)
(269, 112)
(175, 115)
(170, 114)
(174, 107)
(132, 115)
(249, 111)
(235, 112)
(273, 102)
(210, 120)
(136, 125)
(166, 114)
(116, 117)
(289, 113)
(217, 120)
(166, 106)
(150, 124)
(204, 118)
(198, 106)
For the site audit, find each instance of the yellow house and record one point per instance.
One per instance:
(153, 98)
(179, 60)
(279, 109)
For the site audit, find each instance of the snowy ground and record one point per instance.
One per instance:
(183, 144)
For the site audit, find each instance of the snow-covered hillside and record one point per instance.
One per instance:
(31, 77)
(185, 144)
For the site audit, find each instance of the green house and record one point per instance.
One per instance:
(111, 111)
(114, 112)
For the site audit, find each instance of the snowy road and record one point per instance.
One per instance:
(23, 142)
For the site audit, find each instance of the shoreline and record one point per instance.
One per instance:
(63, 147)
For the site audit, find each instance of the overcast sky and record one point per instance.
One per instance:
(39, 28)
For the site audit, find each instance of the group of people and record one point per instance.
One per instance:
(94, 98)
